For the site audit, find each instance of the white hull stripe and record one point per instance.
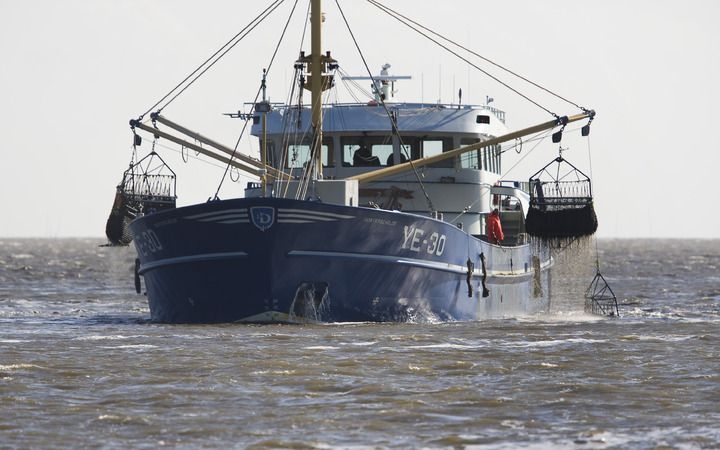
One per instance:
(314, 213)
(295, 218)
(190, 259)
(217, 213)
(446, 267)
(307, 216)
(285, 215)
(223, 217)
(245, 220)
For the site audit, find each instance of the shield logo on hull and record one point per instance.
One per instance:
(262, 217)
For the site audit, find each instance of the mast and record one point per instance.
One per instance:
(316, 81)
(263, 107)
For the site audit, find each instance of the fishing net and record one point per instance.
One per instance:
(146, 187)
(561, 203)
(600, 298)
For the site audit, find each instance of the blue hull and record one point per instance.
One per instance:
(281, 260)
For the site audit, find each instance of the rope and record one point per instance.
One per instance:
(287, 119)
(377, 4)
(597, 251)
(392, 14)
(540, 138)
(307, 175)
(354, 83)
(468, 208)
(218, 59)
(393, 122)
(249, 27)
(291, 116)
(307, 20)
(252, 108)
(204, 161)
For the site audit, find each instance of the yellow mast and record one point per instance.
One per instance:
(316, 81)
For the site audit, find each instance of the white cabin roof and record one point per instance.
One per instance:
(412, 118)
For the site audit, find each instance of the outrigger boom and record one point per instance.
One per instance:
(255, 167)
(393, 170)
(248, 164)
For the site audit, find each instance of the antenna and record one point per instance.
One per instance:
(453, 89)
(383, 86)
(439, 84)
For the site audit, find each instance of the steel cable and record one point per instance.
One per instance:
(253, 23)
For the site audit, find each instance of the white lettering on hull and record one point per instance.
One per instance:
(413, 240)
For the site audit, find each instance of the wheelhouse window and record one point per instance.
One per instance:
(487, 158)
(491, 158)
(367, 151)
(298, 155)
(271, 156)
(405, 154)
(436, 146)
(470, 160)
(377, 151)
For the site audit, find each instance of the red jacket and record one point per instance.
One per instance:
(494, 228)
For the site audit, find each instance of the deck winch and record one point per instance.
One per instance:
(561, 202)
(147, 186)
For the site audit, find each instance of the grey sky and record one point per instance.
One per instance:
(73, 73)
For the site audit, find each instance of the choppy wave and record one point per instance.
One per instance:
(81, 363)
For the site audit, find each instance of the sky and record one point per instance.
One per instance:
(73, 73)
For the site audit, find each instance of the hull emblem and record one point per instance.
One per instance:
(262, 217)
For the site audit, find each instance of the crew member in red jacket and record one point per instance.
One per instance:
(494, 228)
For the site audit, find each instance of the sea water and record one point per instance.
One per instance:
(81, 365)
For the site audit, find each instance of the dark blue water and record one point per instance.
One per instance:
(82, 367)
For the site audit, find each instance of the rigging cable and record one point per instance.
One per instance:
(539, 137)
(291, 116)
(393, 15)
(298, 141)
(252, 108)
(346, 82)
(218, 58)
(601, 293)
(181, 151)
(392, 118)
(597, 251)
(288, 118)
(306, 177)
(379, 5)
(249, 27)
(307, 20)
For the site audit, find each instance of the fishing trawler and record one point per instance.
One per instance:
(368, 211)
